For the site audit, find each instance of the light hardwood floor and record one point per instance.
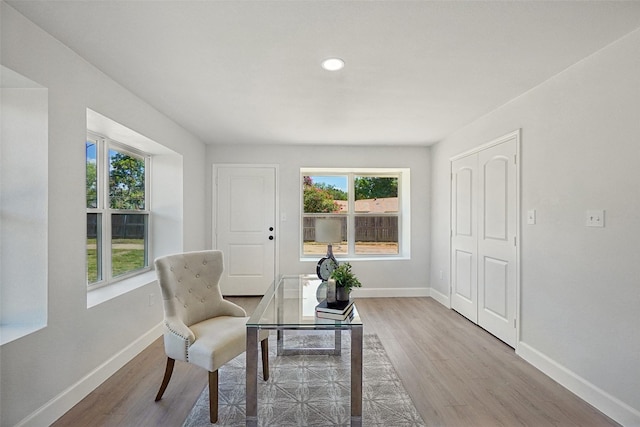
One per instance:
(456, 373)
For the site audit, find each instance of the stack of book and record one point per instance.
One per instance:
(341, 310)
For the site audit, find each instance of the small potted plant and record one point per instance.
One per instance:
(345, 281)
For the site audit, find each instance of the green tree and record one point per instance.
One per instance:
(371, 187)
(317, 199)
(126, 181)
(336, 193)
(92, 185)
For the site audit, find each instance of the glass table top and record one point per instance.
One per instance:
(290, 303)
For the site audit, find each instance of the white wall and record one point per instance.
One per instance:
(47, 371)
(580, 286)
(378, 278)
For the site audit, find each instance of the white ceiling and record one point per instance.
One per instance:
(249, 71)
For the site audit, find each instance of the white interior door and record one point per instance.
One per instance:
(245, 227)
(497, 241)
(464, 240)
(484, 209)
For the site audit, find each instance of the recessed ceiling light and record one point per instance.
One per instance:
(333, 64)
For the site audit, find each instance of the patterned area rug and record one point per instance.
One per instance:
(312, 390)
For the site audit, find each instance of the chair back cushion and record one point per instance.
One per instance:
(189, 285)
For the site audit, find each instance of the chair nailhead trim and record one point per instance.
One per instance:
(186, 340)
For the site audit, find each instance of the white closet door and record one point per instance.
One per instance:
(464, 239)
(484, 209)
(497, 241)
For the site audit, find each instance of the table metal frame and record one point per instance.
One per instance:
(254, 326)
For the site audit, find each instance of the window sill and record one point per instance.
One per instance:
(98, 296)
(12, 332)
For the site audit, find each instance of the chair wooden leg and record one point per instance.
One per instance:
(264, 345)
(167, 376)
(213, 396)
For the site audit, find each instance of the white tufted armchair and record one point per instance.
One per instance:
(201, 327)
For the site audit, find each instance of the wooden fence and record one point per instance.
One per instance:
(369, 228)
(123, 226)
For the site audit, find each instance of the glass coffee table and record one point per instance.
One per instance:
(289, 304)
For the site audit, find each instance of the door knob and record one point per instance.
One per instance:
(270, 237)
(270, 228)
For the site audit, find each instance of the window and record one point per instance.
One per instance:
(117, 211)
(24, 224)
(153, 229)
(369, 203)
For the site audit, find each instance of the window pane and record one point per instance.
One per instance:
(126, 181)
(325, 194)
(92, 175)
(128, 243)
(376, 234)
(311, 247)
(376, 188)
(94, 243)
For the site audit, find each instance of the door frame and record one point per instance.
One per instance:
(214, 205)
(517, 134)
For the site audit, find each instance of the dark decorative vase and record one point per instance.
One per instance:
(331, 291)
(342, 293)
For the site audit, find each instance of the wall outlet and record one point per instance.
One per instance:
(152, 299)
(531, 217)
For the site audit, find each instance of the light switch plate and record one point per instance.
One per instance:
(531, 217)
(595, 218)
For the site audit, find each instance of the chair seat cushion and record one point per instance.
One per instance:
(218, 340)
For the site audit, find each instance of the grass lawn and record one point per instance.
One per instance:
(126, 255)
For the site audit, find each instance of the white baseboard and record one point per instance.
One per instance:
(603, 401)
(365, 292)
(441, 298)
(60, 404)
